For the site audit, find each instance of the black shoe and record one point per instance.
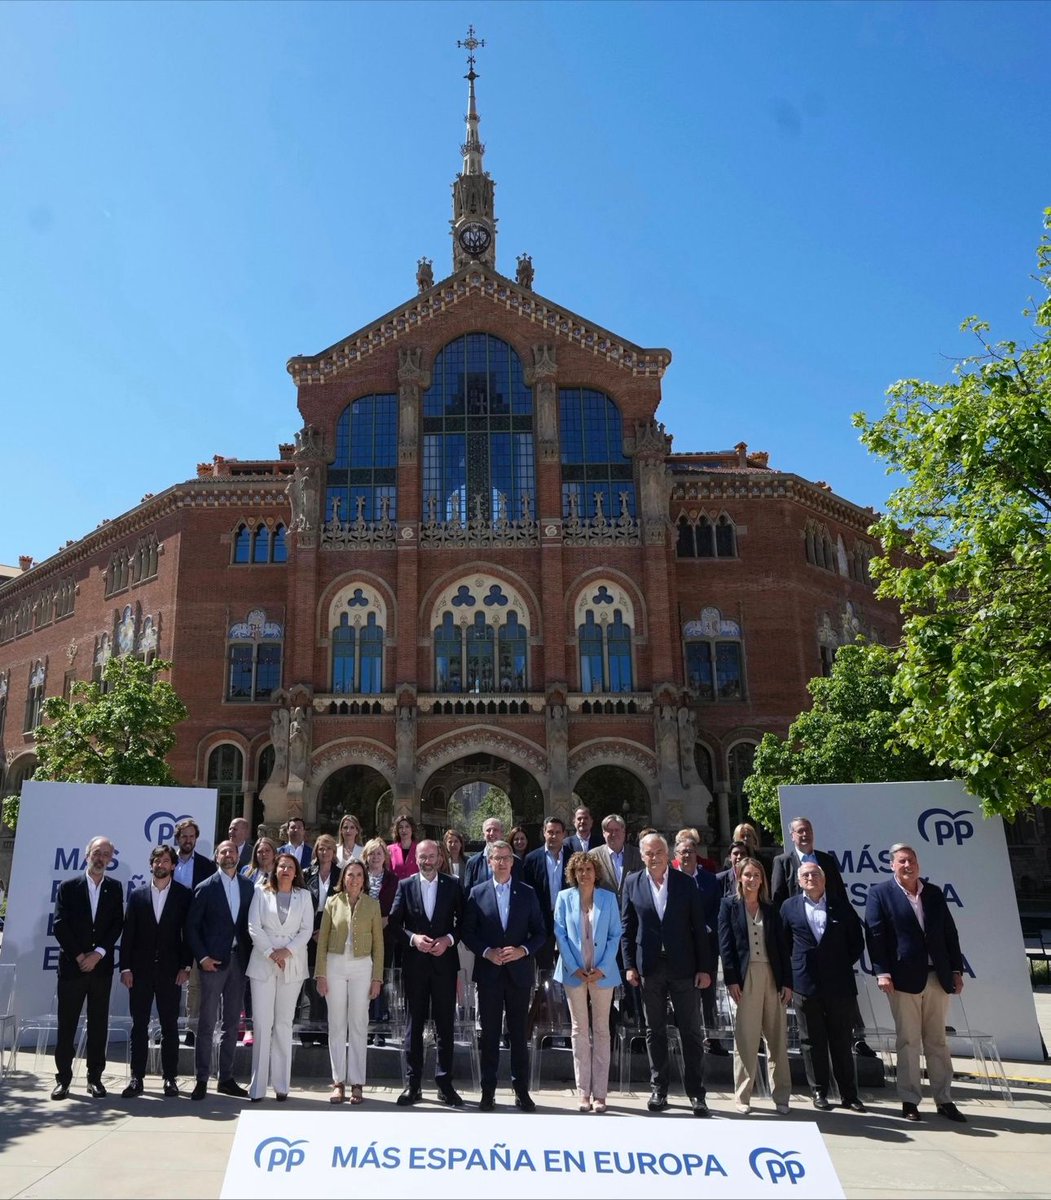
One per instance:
(411, 1095)
(524, 1101)
(488, 1101)
(657, 1102)
(95, 1089)
(505, 1042)
(714, 1047)
(863, 1050)
(134, 1088)
(60, 1091)
(821, 1100)
(855, 1106)
(230, 1087)
(381, 1039)
(370, 1039)
(280, 1097)
(200, 1090)
(910, 1112)
(191, 1039)
(171, 1089)
(951, 1113)
(700, 1107)
(447, 1094)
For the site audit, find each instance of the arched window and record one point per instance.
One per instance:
(362, 481)
(698, 537)
(714, 658)
(478, 456)
(254, 657)
(261, 545)
(243, 544)
(739, 764)
(226, 775)
(604, 619)
(278, 548)
(481, 637)
(596, 472)
(35, 695)
(357, 619)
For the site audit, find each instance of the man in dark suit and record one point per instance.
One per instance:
(89, 913)
(503, 926)
(667, 953)
(191, 868)
(784, 881)
(426, 917)
(824, 938)
(687, 854)
(217, 930)
(584, 838)
(238, 834)
(544, 870)
(477, 870)
(615, 860)
(297, 843)
(915, 952)
(154, 964)
(728, 878)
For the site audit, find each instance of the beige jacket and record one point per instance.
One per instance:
(336, 926)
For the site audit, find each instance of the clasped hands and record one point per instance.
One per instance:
(426, 945)
(592, 976)
(502, 955)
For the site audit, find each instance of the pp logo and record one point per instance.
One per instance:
(776, 1165)
(945, 826)
(160, 827)
(280, 1154)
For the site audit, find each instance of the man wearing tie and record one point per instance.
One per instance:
(503, 926)
(667, 955)
(89, 914)
(426, 917)
(545, 872)
(217, 930)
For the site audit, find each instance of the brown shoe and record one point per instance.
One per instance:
(355, 1094)
(337, 1095)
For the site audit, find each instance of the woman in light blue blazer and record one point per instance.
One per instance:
(588, 930)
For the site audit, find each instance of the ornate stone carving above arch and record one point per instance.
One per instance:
(632, 756)
(481, 592)
(481, 739)
(345, 752)
(357, 599)
(604, 595)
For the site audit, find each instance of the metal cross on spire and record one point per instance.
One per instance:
(470, 44)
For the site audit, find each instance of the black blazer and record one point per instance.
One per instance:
(482, 931)
(898, 947)
(75, 930)
(734, 947)
(203, 868)
(824, 968)
(313, 882)
(210, 929)
(682, 934)
(477, 871)
(407, 917)
(534, 872)
(573, 843)
(152, 951)
(784, 882)
(728, 880)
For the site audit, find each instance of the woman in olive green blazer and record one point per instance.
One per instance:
(349, 973)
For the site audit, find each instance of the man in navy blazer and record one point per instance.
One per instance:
(504, 928)
(477, 870)
(297, 844)
(584, 839)
(425, 917)
(89, 914)
(155, 962)
(915, 952)
(824, 938)
(544, 870)
(667, 953)
(784, 881)
(217, 930)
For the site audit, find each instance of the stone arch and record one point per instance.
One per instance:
(618, 583)
(438, 597)
(209, 742)
(348, 580)
(604, 757)
(480, 739)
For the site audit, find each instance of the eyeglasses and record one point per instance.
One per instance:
(502, 858)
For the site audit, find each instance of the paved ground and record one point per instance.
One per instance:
(152, 1147)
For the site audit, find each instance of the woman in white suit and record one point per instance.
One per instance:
(588, 930)
(281, 922)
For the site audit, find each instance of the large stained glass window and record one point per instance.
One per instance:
(595, 470)
(363, 478)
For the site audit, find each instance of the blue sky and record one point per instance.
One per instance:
(801, 201)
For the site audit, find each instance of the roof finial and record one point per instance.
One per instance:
(472, 149)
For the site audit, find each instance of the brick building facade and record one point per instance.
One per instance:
(480, 561)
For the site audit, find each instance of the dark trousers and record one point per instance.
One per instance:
(657, 989)
(429, 993)
(228, 985)
(498, 998)
(94, 988)
(826, 1032)
(318, 1014)
(140, 1001)
(545, 956)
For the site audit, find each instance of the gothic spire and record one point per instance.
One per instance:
(474, 224)
(472, 149)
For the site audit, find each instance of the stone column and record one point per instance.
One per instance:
(560, 794)
(405, 797)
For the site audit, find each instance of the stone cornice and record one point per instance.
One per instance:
(553, 319)
(220, 492)
(769, 485)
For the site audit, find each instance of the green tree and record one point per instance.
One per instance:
(847, 736)
(495, 803)
(119, 735)
(969, 561)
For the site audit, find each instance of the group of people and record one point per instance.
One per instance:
(320, 923)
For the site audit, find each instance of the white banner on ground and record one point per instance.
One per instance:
(961, 852)
(55, 823)
(440, 1154)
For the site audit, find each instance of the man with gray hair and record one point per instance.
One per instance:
(477, 870)
(667, 953)
(915, 953)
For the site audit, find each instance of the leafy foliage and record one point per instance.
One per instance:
(119, 735)
(495, 803)
(972, 521)
(847, 736)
